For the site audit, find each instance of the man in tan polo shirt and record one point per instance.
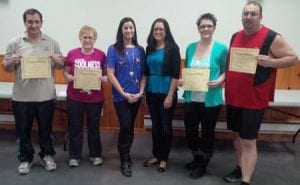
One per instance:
(33, 97)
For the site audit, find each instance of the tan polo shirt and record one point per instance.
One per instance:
(32, 90)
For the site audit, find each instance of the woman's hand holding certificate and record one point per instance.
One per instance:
(195, 79)
(87, 79)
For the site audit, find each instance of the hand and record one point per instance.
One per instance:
(130, 97)
(137, 96)
(14, 59)
(264, 60)
(168, 102)
(180, 82)
(57, 59)
(213, 84)
(103, 78)
(69, 77)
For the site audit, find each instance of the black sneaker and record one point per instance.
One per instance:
(190, 165)
(234, 176)
(197, 172)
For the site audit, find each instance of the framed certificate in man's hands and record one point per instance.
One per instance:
(87, 79)
(35, 67)
(243, 60)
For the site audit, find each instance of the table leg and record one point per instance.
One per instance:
(295, 135)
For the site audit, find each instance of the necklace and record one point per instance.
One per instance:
(131, 61)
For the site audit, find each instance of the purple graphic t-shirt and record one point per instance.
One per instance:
(94, 61)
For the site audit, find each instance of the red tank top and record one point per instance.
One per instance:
(253, 91)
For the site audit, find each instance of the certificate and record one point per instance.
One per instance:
(243, 60)
(195, 79)
(87, 79)
(35, 67)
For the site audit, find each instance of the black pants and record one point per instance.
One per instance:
(195, 113)
(77, 111)
(126, 113)
(162, 131)
(24, 114)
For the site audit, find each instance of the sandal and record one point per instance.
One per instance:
(150, 162)
(162, 166)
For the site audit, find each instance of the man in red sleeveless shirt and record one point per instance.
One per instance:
(247, 95)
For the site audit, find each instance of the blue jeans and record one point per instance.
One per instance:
(126, 113)
(77, 110)
(24, 113)
(162, 131)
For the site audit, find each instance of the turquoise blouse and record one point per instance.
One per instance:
(156, 82)
(218, 59)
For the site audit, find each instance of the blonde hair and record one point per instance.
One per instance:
(87, 29)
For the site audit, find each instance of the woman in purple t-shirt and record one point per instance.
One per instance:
(85, 102)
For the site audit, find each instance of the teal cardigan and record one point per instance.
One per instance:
(213, 97)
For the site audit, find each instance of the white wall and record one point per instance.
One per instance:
(63, 18)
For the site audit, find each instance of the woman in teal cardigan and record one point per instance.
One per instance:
(204, 107)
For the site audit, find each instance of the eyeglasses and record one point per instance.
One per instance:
(202, 27)
(159, 29)
(252, 14)
(87, 38)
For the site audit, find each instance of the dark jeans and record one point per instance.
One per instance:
(24, 113)
(77, 111)
(195, 113)
(126, 113)
(162, 131)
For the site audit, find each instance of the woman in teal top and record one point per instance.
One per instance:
(204, 107)
(162, 72)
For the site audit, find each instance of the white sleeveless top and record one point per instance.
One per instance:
(202, 63)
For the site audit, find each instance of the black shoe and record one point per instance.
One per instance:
(197, 172)
(150, 162)
(245, 183)
(125, 169)
(162, 168)
(190, 165)
(234, 176)
(200, 168)
(130, 163)
(126, 165)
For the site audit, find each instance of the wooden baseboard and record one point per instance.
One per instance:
(220, 134)
(262, 136)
